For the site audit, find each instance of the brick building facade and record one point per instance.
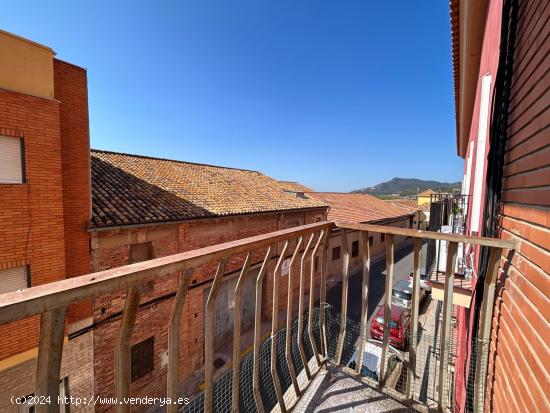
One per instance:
(44, 211)
(500, 56)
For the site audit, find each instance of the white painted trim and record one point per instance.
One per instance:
(480, 152)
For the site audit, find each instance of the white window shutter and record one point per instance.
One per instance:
(11, 161)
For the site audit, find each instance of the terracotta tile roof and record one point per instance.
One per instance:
(132, 189)
(360, 207)
(409, 206)
(295, 186)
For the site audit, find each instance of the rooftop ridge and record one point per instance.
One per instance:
(172, 160)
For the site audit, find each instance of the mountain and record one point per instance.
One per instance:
(408, 187)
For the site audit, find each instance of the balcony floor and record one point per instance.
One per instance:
(333, 390)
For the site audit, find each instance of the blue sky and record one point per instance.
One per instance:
(335, 94)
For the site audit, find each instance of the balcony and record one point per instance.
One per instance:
(310, 360)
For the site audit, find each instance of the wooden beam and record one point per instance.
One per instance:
(485, 328)
(365, 253)
(387, 307)
(36, 300)
(123, 356)
(235, 383)
(301, 310)
(411, 374)
(312, 298)
(48, 366)
(290, 300)
(258, 332)
(209, 338)
(275, 328)
(174, 341)
(443, 389)
(323, 295)
(415, 233)
(344, 309)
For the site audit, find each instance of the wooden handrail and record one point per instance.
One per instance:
(417, 233)
(35, 300)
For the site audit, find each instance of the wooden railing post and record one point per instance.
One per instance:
(209, 338)
(413, 338)
(344, 309)
(235, 383)
(174, 341)
(258, 332)
(444, 347)
(275, 328)
(301, 310)
(387, 308)
(50, 349)
(290, 300)
(312, 299)
(123, 355)
(485, 328)
(365, 250)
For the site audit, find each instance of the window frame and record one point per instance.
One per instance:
(336, 253)
(138, 373)
(22, 160)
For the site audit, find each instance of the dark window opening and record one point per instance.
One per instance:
(371, 241)
(355, 248)
(335, 253)
(143, 358)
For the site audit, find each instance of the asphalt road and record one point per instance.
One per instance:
(403, 265)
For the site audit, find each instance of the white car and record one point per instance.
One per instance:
(371, 362)
(425, 280)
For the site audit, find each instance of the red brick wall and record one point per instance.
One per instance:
(70, 87)
(110, 249)
(31, 214)
(519, 375)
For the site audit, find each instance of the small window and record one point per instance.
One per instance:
(335, 253)
(140, 252)
(27, 403)
(371, 241)
(143, 358)
(355, 248)
(13, 279)
(316, 264)
(382, 237)
(12, 165)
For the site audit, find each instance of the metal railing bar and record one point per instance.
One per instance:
(275, 329)
(174, 340)
(238, 311)
(344, 309)
(123, 355)
(414, 318)
(258, 331)
(209, 338)
(443, 389)
(365, 251)
(312, 299)
(301, 309)
(387, 307)
(48, 366)
(323, 294)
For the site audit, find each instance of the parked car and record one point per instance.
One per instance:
(400, 322)
(425, 280)
(371, 362)
(402, 294)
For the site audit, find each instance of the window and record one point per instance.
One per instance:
(371, 241)
(335, 253)
(355, 248)
(382, 237)
(13, 279)
(140, 252)
(285, 267)
(143, 358)
(316, 264)
(12, 165)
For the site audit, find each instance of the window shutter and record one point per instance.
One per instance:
(11, 160)
(13, 279)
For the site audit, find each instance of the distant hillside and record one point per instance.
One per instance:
(408, 187)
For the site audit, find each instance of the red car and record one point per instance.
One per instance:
(399, 326)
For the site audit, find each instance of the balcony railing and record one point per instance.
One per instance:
(301, 244)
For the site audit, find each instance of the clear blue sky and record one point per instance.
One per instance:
(335, 94)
